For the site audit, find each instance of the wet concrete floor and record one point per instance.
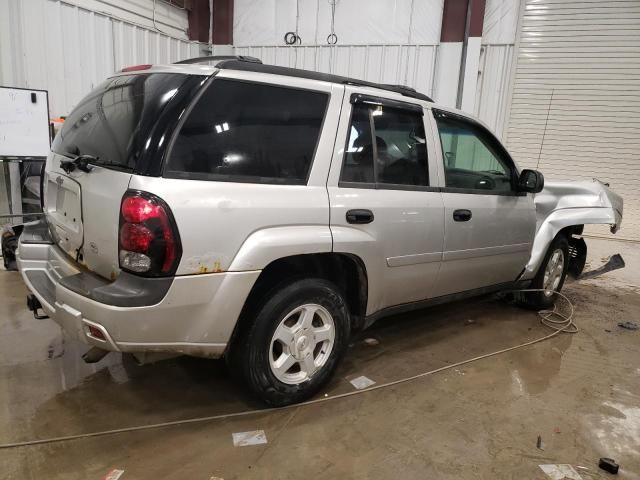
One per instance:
(580, 393)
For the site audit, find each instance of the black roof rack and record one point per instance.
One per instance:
(251, 64)
(239, 58)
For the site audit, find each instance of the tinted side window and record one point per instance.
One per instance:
(399, 156)
(401, 147)
(249, 132)
(358, 158)
(469, 159)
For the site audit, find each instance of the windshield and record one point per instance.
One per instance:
(114, 121)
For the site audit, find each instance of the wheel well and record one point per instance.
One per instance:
(572, 230)
(577, 249)
(346, 271)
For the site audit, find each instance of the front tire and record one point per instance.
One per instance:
(550, 277)
(292, 346)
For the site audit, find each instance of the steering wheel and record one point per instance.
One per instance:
(485, 183)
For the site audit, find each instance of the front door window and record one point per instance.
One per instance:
(470, 160)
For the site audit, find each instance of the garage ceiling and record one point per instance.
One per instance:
(578, 63)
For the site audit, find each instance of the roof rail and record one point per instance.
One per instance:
(233, 64)
(240, 58)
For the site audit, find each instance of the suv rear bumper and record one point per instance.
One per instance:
(192, 315)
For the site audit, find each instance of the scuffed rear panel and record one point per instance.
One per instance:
(215, 219)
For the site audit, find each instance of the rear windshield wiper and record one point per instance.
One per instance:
(84, 163)
(81, 162)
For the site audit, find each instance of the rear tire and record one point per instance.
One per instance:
(293, 343)
(551, 276)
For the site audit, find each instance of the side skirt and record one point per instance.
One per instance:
(430, 302)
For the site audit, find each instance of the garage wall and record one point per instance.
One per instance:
(578, 64)
(386, 41)
(69, 46)
(357, 22)
(411, 65)
(496, 62)
(378, 40)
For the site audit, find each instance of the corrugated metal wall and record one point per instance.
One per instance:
(68, 46)
(391, 42)
(412, 65)
(579, 64)
(67, 49)
(496, 62)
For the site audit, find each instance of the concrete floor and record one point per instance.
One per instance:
(580, 393)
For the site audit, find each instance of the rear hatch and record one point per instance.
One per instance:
(121, 128)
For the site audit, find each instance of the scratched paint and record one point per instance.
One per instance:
(204, 264)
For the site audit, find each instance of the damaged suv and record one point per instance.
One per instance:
(262, 214)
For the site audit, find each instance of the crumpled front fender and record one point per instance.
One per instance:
(565, 204)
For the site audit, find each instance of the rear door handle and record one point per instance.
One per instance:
(359, 217)
(462, 215)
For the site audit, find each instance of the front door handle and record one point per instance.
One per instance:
(359, 217)
(462, 215)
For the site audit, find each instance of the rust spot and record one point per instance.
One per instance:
(216, 267)
(112, 276)
(203, 269)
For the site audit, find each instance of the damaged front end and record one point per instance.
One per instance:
(569, 206)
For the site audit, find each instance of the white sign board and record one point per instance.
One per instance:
(24, 122)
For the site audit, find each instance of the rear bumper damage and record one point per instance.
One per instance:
(192, 315)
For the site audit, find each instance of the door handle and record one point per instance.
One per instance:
(359, 217)
(462, 215)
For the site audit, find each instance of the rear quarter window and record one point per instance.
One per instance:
(249, 132)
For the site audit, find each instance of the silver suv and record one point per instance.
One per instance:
(263, 214)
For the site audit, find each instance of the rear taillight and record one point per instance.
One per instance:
(148, 238)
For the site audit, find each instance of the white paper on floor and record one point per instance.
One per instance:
(243, 439)
(114, 474)
(362, 382)
(560, 472)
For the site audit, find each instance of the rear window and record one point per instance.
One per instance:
(114, 121)
(249, 132)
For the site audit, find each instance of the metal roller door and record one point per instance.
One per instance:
(578, 71)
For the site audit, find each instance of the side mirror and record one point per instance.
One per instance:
(531, 181)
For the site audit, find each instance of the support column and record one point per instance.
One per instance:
(223, 22)
(456, 74)
(198, 17)
(217, 13)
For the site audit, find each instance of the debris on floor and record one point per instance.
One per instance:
(114, 474)
(372, 342)
(539, 443)
(361, 382)
(244, 439)
(629, 325)
(614, 263)
(470, 321)
(561, 471)
(609, 465)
